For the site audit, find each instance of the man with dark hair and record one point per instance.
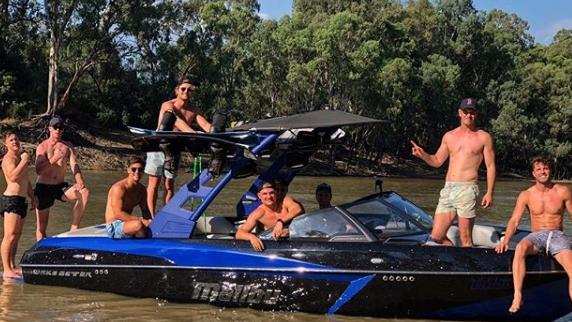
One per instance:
(324, 195)
(270, 214)
(122, 198)
(14, 208)
(466, 147)
(52, 156)
(546, 202)
(175, 115)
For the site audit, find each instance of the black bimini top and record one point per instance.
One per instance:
(315, 119)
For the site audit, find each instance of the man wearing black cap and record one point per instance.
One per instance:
(52, 156)
(175, 115)
(466, 147)
(270, 214)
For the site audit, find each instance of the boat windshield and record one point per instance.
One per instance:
(390, 215)
(410, 209)
(322, 224)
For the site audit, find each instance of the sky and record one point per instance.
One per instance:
(545, 17)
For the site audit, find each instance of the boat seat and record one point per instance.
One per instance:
(483, 236)
(215, 227)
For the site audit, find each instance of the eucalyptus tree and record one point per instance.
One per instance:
(21, 62)
(90, 33)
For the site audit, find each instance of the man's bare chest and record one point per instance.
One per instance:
(131, 200)
(188, 115)
(466, 144)
(546, 203)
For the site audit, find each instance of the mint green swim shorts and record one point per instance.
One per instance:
(459, 198)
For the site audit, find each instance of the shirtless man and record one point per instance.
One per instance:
(287, 202)
(123, 196)
(324, 195)
(18, 186)
(545, 202)
(156, 166)
(52, 156)
(466, 146)
(270, 214)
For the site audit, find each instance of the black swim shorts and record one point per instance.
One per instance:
(14, 204)
(48, 193)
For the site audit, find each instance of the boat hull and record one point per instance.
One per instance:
(363, 279)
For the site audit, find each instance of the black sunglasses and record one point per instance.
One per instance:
(136, 169)
(58, 127)
(186, 89)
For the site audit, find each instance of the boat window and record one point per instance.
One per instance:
(322, 224)
(381, 219)
(409, 208)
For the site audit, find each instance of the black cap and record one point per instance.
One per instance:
(468, 103)
(264, 185)
(324, 187)
(56, 120)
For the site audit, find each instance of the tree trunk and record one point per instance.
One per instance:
(53, 74)
(77, 75)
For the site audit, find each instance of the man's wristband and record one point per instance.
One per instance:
(282, 221)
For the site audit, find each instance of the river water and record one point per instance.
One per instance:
(22, 302)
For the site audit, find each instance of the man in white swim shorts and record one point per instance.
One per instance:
(466, 147)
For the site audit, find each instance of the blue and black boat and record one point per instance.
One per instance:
(366, 258)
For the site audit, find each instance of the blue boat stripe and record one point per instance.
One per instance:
(355, 287)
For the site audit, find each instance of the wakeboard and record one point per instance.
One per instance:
(194, 142)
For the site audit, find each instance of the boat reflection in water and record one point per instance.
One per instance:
(368, 257)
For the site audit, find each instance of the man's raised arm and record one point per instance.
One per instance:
(434, 160)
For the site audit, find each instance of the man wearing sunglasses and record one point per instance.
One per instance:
(466, 147)
(122, 198)
(52, 157)
(176, 114)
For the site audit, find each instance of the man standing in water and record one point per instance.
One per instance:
(52, 156)
(466, 146)
(179, 114)
(546, 202)
(14, 210)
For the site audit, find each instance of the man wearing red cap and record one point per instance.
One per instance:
(466, 147)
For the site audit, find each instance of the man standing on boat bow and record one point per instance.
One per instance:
(466, 146)
(545, 202)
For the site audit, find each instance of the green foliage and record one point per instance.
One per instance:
(409, 63)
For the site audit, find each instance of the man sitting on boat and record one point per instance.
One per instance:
(546, 202)
(282, 197)
(324, 195)
(270, 214)
(123, 196)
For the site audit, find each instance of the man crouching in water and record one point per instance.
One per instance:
(123, 196)
(545, 202)
(270, 214)
(14, 210)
